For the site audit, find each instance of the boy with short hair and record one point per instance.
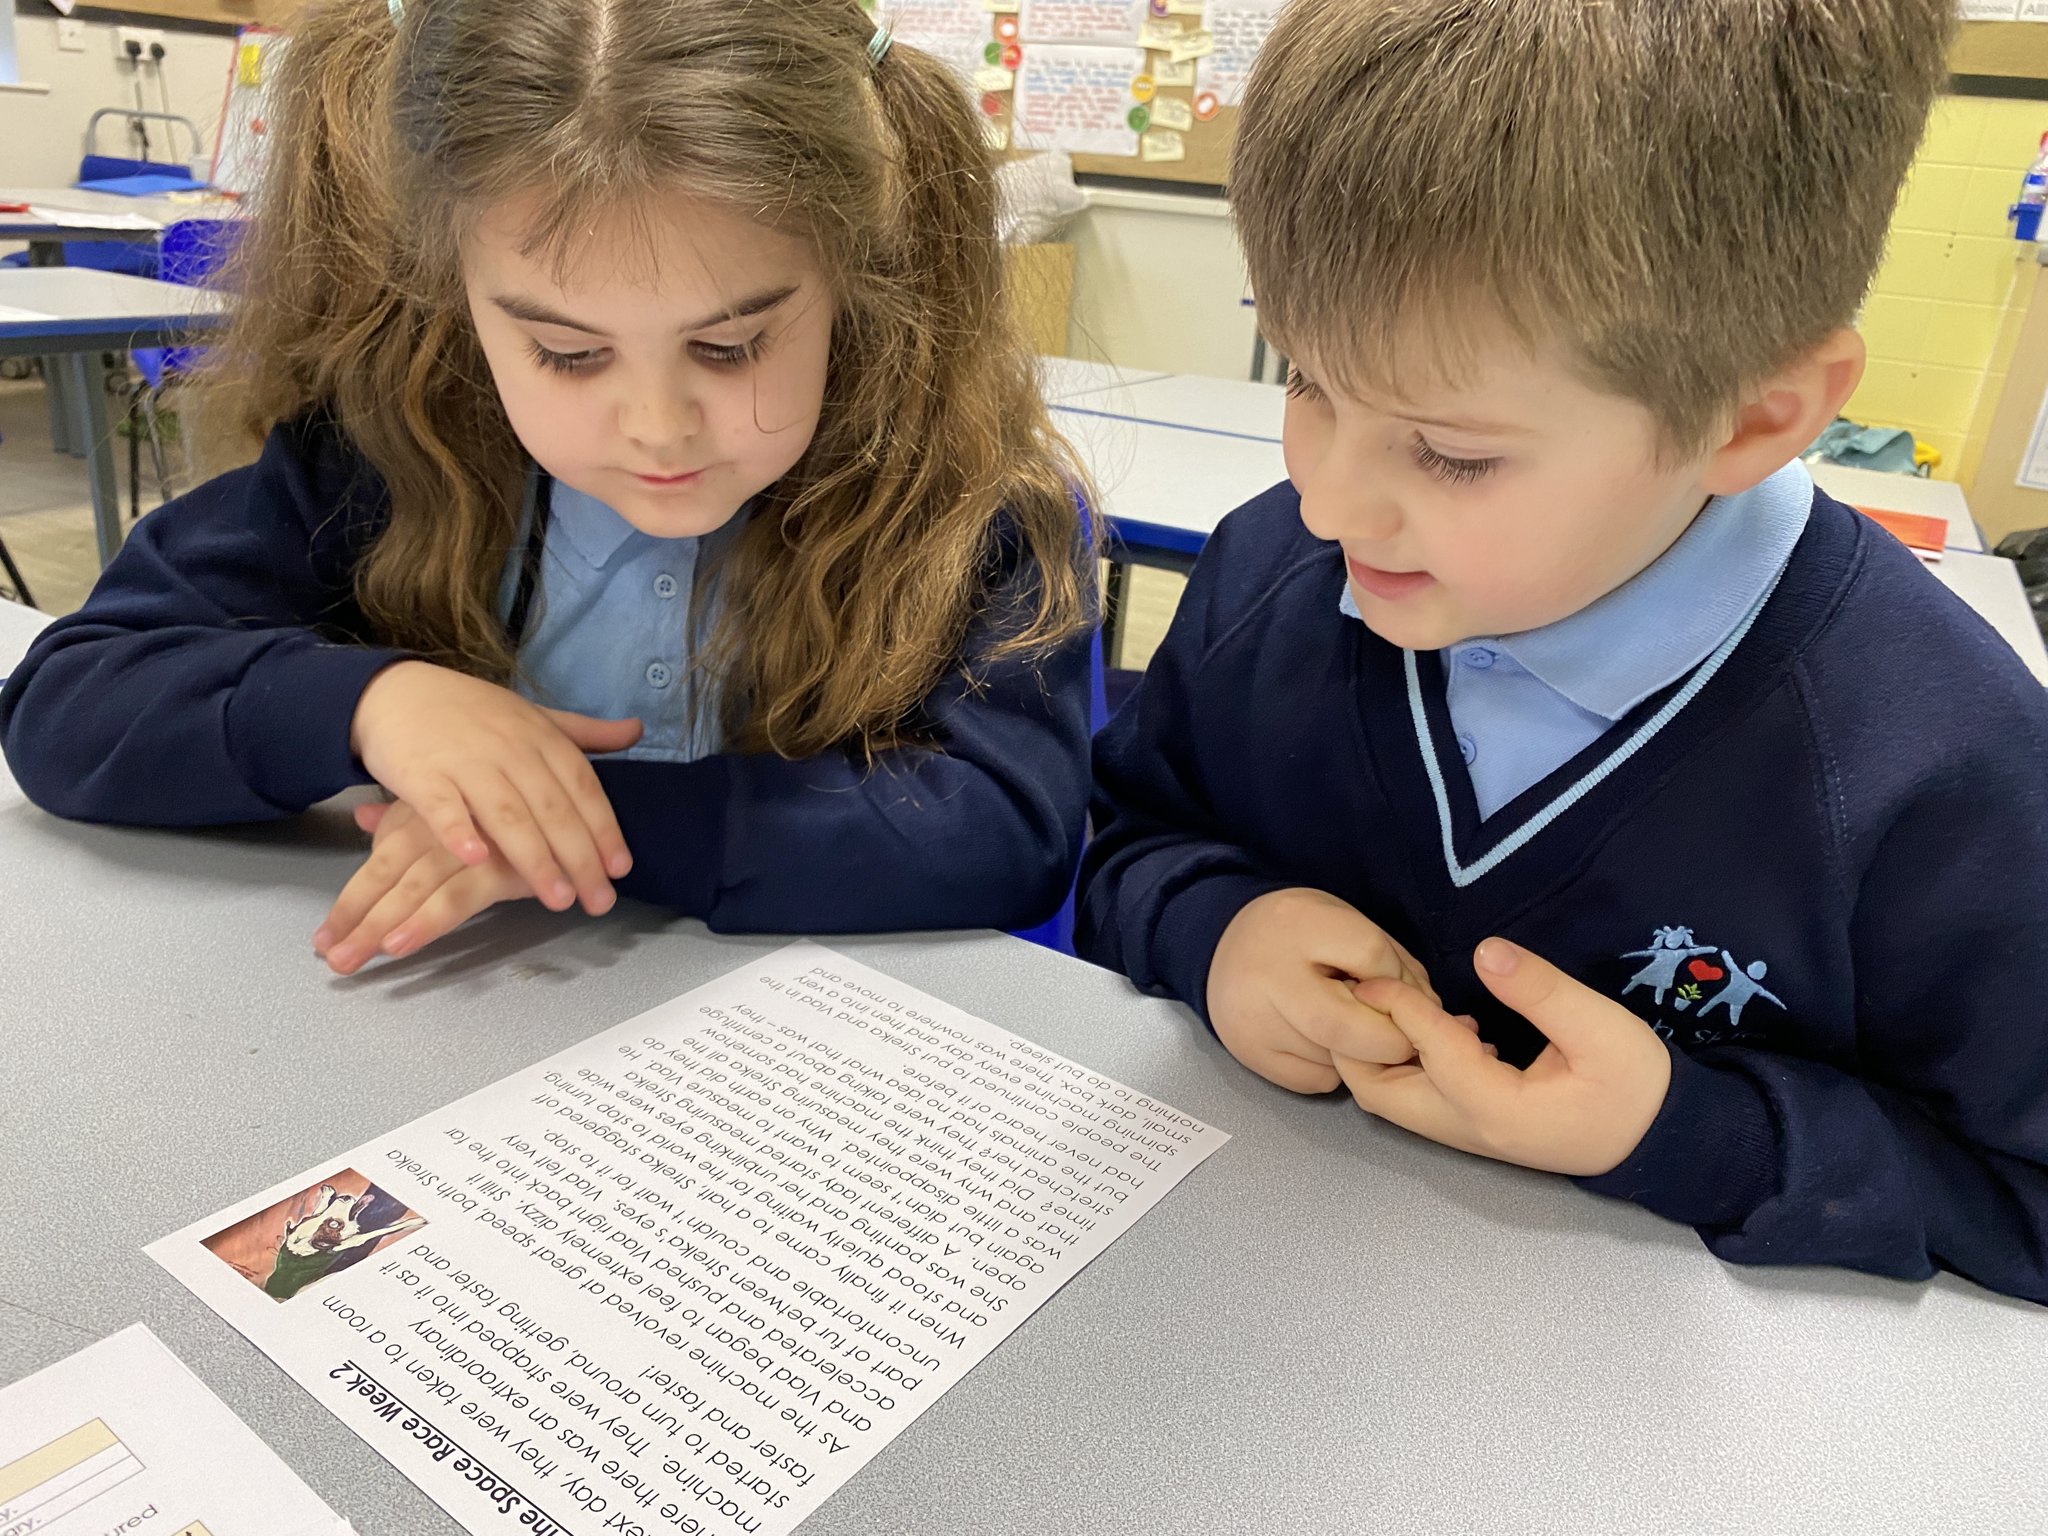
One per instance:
(1625, 738)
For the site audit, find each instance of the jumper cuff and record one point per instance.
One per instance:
(1709, 1159)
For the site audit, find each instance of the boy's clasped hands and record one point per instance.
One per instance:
(494, 799)
(1311, 994)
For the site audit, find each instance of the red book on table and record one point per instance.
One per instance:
(1925, 536)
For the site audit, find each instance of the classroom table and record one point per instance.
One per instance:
(1991, 585)
(75, 315)
(18, 626)
(1225, 407)
(1172, 455)
(1164, 484)
(1903, 493)
(1330, 1327)
(1068, 378)
(97, 210)
(77, 213)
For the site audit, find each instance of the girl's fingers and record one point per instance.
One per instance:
(442, 805)
(455, 903)
(507, 820)
(385, 866)
(426, 876)
(573, 771)
(569, 840)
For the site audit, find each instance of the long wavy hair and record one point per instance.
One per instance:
(853, 588)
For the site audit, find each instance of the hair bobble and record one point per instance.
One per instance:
(397, 9)
(878, 45)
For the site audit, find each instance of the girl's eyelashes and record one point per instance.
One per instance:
(1455, 471)
(710, 353)
(564, 362)
(735, 356)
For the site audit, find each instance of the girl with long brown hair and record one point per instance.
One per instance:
(630, 380)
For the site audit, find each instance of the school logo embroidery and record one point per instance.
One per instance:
(1693, 980)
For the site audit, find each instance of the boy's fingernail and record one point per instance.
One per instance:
(620, 865)
(398, 943)
(322, 937)
(343, 959)
(1497, 957)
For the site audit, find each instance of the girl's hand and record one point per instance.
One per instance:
(487, 770)
(409, 892)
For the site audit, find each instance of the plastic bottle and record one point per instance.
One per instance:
(2026, 213)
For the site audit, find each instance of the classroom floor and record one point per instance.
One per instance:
(46, 502)
(46, 520)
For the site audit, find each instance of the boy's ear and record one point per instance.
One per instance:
(1785, 413)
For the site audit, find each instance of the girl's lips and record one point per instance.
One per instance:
(670, 482)
(1391, 586)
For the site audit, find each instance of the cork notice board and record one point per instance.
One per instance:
(1135, 88)
(2016, 50)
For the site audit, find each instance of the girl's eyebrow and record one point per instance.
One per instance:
(535, 313)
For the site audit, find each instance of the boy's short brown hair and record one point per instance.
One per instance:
(1685, 194)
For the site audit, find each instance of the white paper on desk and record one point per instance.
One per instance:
(1240, 28)
(691, 1274)
(121, 1436)
(1076, 98)
(9, 312)
(76, 218)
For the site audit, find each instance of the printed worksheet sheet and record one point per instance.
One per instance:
(122, 1438)
(690, 1275)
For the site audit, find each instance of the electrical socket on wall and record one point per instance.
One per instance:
(70, 35)
(142, 37)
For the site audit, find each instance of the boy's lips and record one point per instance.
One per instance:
(1390, 586)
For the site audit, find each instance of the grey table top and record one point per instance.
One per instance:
(45, 309)
(1330, 1327)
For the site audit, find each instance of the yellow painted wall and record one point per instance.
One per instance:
(1941, 298)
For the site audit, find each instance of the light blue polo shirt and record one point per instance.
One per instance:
(617, 624)
(1524, 705)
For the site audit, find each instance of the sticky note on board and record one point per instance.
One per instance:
(249, 65)
(1172, 112)
(1192, 45)
(993, 77)
(1165, 73)
(1001, 7)
(1160, 36)
(995, 135)
(1161, 145)
(1186, 7)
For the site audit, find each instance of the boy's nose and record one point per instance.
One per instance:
(1348, 513)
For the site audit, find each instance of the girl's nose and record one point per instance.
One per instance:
(660, 423)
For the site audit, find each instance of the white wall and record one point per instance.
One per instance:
(1158, 284)
(42, 136)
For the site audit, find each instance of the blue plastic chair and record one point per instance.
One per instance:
(1058, 933)
(191, 254)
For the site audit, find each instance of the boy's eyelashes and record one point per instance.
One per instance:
(714, 354)
(1444, 467)
(1301, 386)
